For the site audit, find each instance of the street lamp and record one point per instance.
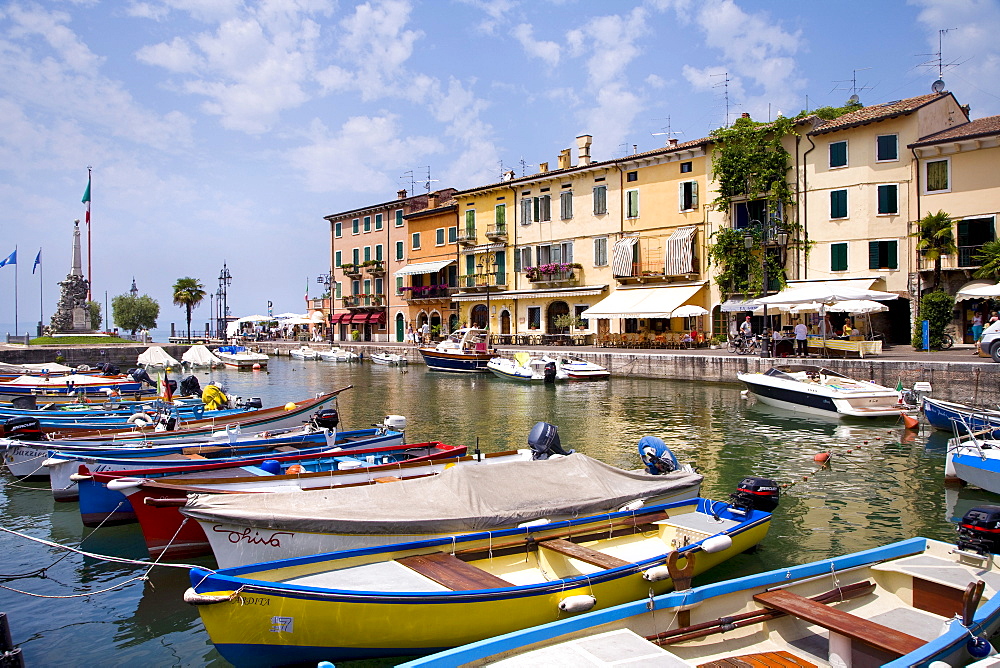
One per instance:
(134, 291)
(772, 235)
(225, 280)
(327, 281)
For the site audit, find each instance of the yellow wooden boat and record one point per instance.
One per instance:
(424, 596)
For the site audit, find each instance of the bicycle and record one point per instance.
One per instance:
(744, 345)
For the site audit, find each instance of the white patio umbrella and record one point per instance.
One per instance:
(688, 311)
(285, 316)
(978, 292)
(826, 294)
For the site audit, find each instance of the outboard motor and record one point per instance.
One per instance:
(109, 369)
(979, 530)
(657, 456)
(549, 373)
(756, 494)
(140, 376)
(252, 402)
(327, 418)
(190, 387)
(543, 439)
(22, 429)
(167, 423)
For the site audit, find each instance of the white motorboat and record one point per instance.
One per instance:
(818, 390)
(390, 359)
(337, 354)
(546, 368)
(240, 357)
(303, 353)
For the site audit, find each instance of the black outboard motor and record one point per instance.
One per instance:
(549, 373)
(252, 402)
(544, 441)
(327, 418)
(168, 422)
(190, 387)
(140, 375)
(109, 369)
(756, 494)
(979, 530)
(22, 429)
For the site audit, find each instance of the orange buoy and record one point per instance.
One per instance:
(910, 422)
(256, 367)
(821, 457)
(294, 469)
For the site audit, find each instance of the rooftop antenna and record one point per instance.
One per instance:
(408, 177)
(938, 59)
(524, 166)
(854, 88)
(725, 86)
(429, 181)
(668, 132)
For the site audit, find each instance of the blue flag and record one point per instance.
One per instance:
(38, 261)
(11, 259)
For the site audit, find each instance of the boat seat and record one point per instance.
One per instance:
(779, 659)
(848, 625)
(286, 448)
(452, 572)
(582, 553)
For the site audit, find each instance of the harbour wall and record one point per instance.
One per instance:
(975, 382)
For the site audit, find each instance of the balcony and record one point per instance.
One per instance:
(966, 259)
(479, 282)
(419, 294)
(497, 232)
(467, 237)
(654, 272)
(351, 270)
(555, 278)
(363, 301)
(374, 268)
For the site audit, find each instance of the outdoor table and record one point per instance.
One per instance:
(862, 348)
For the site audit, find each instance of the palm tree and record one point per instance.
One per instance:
(188, 292)
(936, 240)
(989, 257)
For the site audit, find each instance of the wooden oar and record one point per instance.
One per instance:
(723, 624)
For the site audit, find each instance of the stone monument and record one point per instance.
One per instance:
(72, 315)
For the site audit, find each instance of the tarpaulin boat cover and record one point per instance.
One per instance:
(199, 355)
(155, 356)
(460, 499)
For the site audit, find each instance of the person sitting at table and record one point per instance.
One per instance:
(687, 339)
(777, 335)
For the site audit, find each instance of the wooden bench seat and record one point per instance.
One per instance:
(582, 553)
(452, 572)
(780, 659)
(848, 625)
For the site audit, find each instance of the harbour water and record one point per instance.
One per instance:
(881, 484)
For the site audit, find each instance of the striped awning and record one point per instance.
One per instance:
(642, 302)
(678, 251)
(422, 268)
(622, 259)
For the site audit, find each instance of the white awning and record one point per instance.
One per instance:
(740, 305)
(642, 302)
(679, 256)
(621, 259)
(422, 268)
(859, 283)
(978, 289)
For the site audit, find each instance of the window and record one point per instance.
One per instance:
(886, 148)
(888, 199)
(938, 176)
(838, 204)
(399, 217)
(470, 223)
(882, 254)
(601, 252)
(526, 211)
(500, 216)
(338, 230)
(972, 234)
(685, 168)
(600, 199)
(399, 285)
(378, 286)
(452, 234)
(579, 309)
(339, 291)
(544, 254)
(355, 226)
(534, 317)
(541, 208)
(355, 287)
(439, 236)
(368, 223)
(688, 195)
(524, 258)
(631, 176)
(838, 154)
(337, 258)
(566, 205)
(632, 204)
(378, 221)
(399, 250)
(416, 241)
(356, 256)
(378, 253)
(368, 253)
(838, 257)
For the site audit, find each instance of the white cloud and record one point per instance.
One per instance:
(543, 50)
(375, 40)
(496, 12)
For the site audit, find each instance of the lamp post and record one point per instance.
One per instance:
(771, 235)
(134, 291)
(327, 281)
(225, 280)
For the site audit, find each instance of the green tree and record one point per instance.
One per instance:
(94, 311)
(937, 308)
(188, 293)
(935, 239)
(134, 313)
(989, 259)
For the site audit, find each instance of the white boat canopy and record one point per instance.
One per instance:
(642, 302)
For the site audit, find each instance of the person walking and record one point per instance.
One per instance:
(411, 336)
(801, 339)
(425, 332)
(746, 329)
(977, 326)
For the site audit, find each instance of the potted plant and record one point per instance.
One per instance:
(567, 321)
(716, 341)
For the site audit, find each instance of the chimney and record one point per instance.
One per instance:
(745, 115)
(432, 200)
(583, 149)
(673, 141)
(401, 194)
(564, 159)
(543, 167)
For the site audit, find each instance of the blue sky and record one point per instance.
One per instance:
(224, 130)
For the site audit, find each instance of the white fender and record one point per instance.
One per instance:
(140, 420)
(54, 461)
(194, 598)
(632, 505)
(656, 573)
(119, 484)
(579, 603)
(716, 544)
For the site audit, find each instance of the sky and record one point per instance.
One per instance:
(222, 131)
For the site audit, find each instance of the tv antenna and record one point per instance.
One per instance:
(938, 59)
(429, 181)
(407, 177)
(855, 88)
(725, 88)
(667, 131)
(524, 166)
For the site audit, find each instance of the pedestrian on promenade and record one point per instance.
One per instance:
(801, 339)
(425, 332)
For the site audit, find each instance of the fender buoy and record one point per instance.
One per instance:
(821, 457)
(910, 422)
(294, 469)
(140, 420)
(578, 603)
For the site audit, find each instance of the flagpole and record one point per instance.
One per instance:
(90, 275)
(41, 297)
(15, 289)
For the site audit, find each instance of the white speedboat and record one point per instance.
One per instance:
(818, 390)
(336, 354)
(240, 357)
(545, 368)
(303, 353)
(390, 359)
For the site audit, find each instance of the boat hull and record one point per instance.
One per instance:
(799, 397)
(949, 416)
(456, 362)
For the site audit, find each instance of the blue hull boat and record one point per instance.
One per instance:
(951, 417)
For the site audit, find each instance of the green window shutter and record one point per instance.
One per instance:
(399, 250)
(470, 222)
(368, 223)
(356, 256)
(887, 147)
(873, 255)
(338, 229)
(378, 221)
(501, 260)
(439, 236)
(838, 204)
(378, 252)
(838, 154)
(892, 261)
(368, 253)
(399, 284)
(888, 200)
(838, 257)
(501, 215)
